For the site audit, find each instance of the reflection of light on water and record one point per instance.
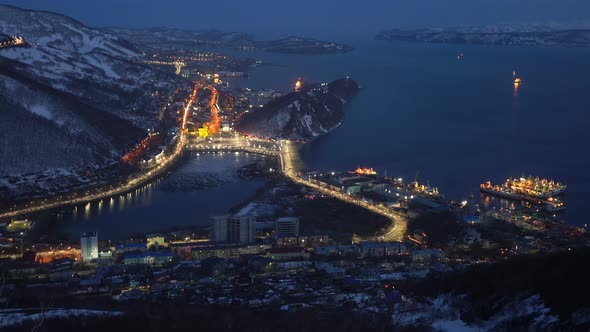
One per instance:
(146, 197)
(129, 199)
(100, 206)
(143, 196)
(87, 211)
(121, 202)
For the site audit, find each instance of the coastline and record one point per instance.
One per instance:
(165, 171)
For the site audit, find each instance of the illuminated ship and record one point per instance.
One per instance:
(424, 189)
(517, 80)
(525, 188)
(365, 171)
(298, 84)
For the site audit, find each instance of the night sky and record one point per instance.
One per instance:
(328, 18)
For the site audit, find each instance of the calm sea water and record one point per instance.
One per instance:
(205, 185)
(457, 123)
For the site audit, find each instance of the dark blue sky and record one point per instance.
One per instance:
(312, 17)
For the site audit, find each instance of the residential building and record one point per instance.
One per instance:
(287, 227)
(336, 250)
(296, 253)
(427, 255)
(156, 240)
(89, 246)
(130, 247)
(149, 258)
(382, 249)
(235, 229)
(218, 228)
(228, 250)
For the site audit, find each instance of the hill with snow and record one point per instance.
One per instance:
(302, 115)
(70, 96)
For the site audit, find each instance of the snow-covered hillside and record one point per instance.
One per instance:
(303, 115)
(71, 96)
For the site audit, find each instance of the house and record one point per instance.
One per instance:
(287, 253)
(427, 255)
(149, 258)
(330, 269)
(60, 264)
(382, 249)
(130, 247)
(341, 250)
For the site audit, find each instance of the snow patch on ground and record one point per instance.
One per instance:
(307, 122)
(12, 318)
(108, 70)
(443, 313)
(42, 111)
(454, 325)
(246, 209)
(281, 120)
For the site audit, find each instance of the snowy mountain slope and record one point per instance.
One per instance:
(303, 115)
(60, 32)
(96, 66)
(71, 96)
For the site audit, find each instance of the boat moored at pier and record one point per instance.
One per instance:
(532, 189)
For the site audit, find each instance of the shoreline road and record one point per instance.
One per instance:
(396, 231)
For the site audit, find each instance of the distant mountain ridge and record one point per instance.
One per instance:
(303, 115)
(171, 35)
(531, 35)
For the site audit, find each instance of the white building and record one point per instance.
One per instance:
(89, 246)
(241, 229)
(287, 227)
(233, 229)
(218, 229)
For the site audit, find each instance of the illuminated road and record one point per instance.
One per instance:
(289, 159)
(235, 143)
(397, 230)
(130, 184)
(215, 123)
(178, 64)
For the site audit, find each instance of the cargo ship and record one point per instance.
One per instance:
(534, 189)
